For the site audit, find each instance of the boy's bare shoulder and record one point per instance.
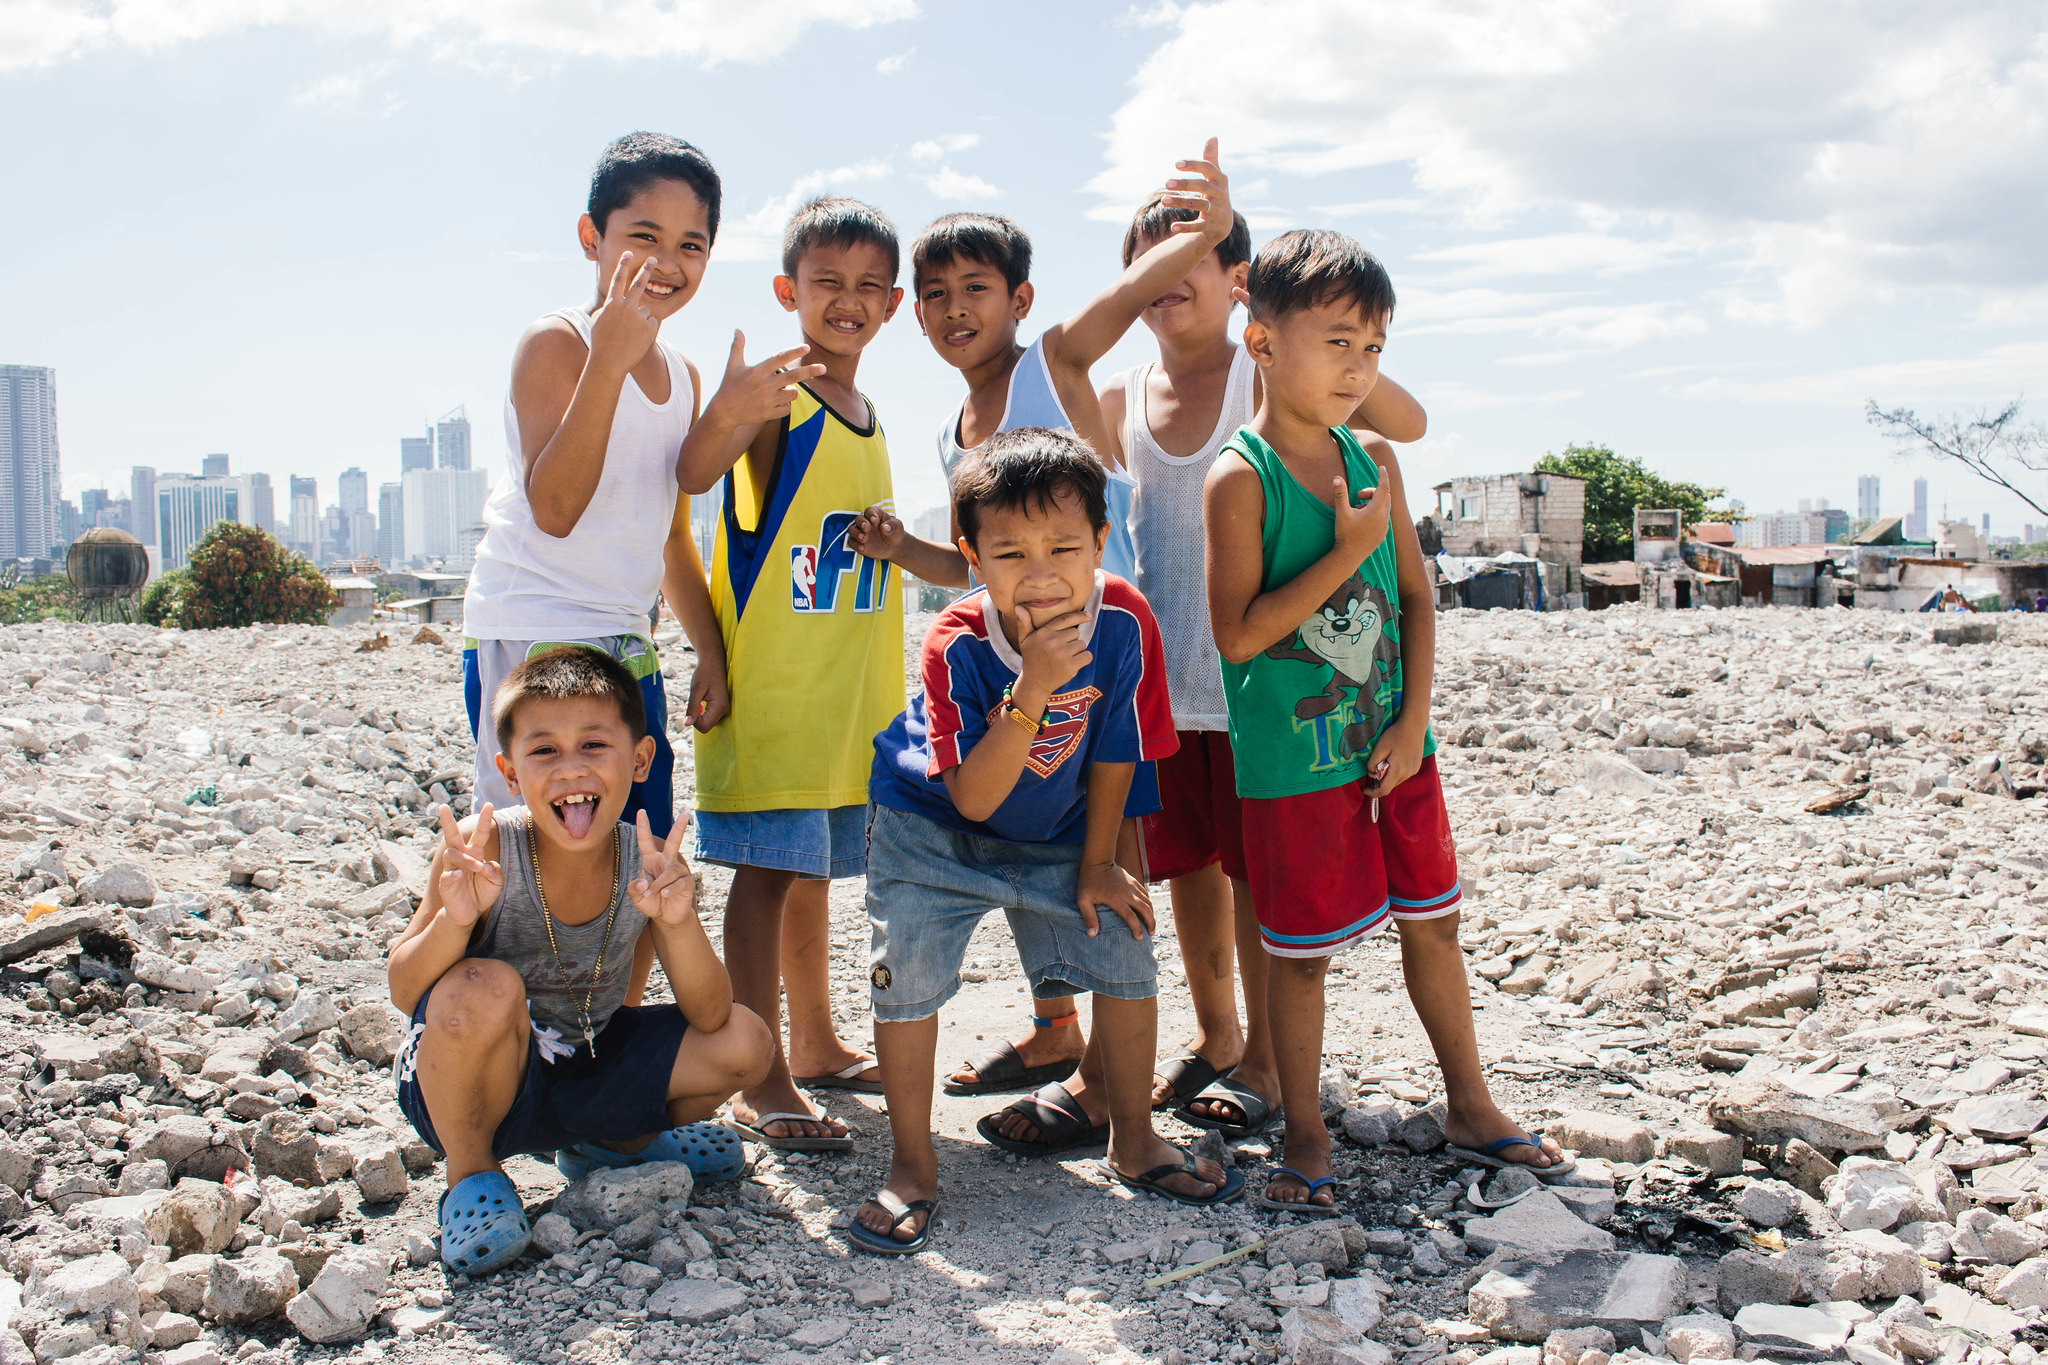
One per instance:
(1382, 452)
(549, 343)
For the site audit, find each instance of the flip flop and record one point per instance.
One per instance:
(1061, 1121)
(754, 1132)
(1307, 1208)
(1188, 1073)
(849, 1078)
(881, 1244)
(1489, 1155)
(1259, 1112)
(1233, 1181)
(483, 1227)
(1001, 1069)
(712, 1151)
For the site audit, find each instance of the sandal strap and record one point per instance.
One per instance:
(900, 1212)
(1313, 1185)
(1185, 1166)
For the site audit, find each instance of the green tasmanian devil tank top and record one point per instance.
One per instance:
(1305, 713)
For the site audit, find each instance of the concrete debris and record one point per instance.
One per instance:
(1621, 1292)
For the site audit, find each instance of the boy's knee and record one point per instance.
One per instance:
(477, 1000)
(1436, 932)
(1307, 970)
(743, 1049)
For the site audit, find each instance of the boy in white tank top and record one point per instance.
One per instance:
(1166, 422)
(587, 526)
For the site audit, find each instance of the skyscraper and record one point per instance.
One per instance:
(303, 513)
(305, 488)
(92, 502)
(1866, 498)
(30, 478)
(439, 505)
(355, 492)
(187, 507)
(391, 524)
(142, 503)
(1916, 523)
(451, 435)
(415, 452)
(213, 467)
(262, 503)
(1987, 526)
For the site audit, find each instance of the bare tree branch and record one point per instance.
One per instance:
(1980, 444)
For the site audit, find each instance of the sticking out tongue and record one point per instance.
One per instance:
(577, 817)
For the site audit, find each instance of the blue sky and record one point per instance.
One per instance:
(1700, 233)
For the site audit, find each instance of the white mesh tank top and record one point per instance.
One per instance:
(603, 576)
(1166, 531)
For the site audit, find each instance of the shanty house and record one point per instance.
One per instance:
(1542, 516)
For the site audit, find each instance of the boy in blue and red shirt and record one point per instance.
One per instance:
(1003, 787)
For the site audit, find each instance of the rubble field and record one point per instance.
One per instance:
(1757, 903)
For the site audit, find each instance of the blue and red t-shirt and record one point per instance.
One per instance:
(1115, 710)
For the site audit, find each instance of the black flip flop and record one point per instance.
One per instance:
(885, 1243)
(1188, 1074)
(1061, 1121)
(1232, 1187)
(1001, 1069)
(1259, 1112)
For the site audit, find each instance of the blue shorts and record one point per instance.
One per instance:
(928, 888)
(814, 844)
(617, 1095)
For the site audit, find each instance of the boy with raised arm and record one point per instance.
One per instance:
(813, 635)
(1327, 629)
(1003, 787)
(515, 968)
(972, 276)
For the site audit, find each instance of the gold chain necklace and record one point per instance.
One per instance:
(547, 918)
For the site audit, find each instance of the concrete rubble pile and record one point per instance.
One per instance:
(1756, 905)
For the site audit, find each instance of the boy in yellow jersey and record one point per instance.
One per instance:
(814, 651)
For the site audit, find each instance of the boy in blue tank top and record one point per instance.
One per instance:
(813, 635)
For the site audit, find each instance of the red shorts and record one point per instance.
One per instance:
(1200, 819)
(1325, 873)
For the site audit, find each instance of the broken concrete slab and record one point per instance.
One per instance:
(1620, 1291)
(1538, 1224)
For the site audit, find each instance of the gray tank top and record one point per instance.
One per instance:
(514, 932)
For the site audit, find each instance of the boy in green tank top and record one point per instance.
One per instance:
(1325, 620)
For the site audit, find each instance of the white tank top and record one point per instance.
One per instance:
(1166, 531)
(1033, 402)
(603, 577)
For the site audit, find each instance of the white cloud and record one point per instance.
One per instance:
(757, 236)
(349, 90)
(953, 185)
(1826, 153)
(894, 63)
(937, 148)
(39, 33)
(1993, 374)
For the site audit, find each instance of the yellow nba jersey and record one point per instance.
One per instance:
(813, 632)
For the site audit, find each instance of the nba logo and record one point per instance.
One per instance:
(803, 577)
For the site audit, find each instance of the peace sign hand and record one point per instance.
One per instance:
(666, 890)
(470, 884)
(752, 394)
(624, 326)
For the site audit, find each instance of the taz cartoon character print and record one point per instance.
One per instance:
(1347, 635)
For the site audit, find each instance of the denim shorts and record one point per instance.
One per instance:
(928, 888)
(814, 844)
(616, 1094)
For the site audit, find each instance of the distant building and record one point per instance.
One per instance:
(2035, 534)
(332, 543)
(69, 524)
(187, 507)
(1958, 540)
(142, 504)
(91, 502)
(1540, 515)
(1867, 501)
(362, 534)
(213, 467)
(1655, 533)
(440, 504)
(355, 600)
(262, 503)
(451, 435)
(415, 452)
(1916, 523)
(1810, 525)
(31, 477)
(1987, 526)
(117, 515)
(303, 487)
(305, 526)
(391, 524)
(354, 491)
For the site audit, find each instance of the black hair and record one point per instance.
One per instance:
(565, 673)
(633, 162)
(834, 220)
(1029, 467)
(1154, 220)
(983, 237)
(1309, 267)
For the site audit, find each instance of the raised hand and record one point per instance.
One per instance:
(623, 327)
(1052, 652)
(470, 884)
(1361, 528)
(876, 534)
(1206, 189)
(666, 890)
(751, 394)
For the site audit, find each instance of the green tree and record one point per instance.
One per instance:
(38, 599)
(240, 575)
(159, 604)
(1615, 487)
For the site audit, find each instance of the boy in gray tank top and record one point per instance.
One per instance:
(516, 967)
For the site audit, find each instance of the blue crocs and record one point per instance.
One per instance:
(712, 1151)
(483, 1227)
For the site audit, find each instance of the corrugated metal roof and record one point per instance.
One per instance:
(1778, 554)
